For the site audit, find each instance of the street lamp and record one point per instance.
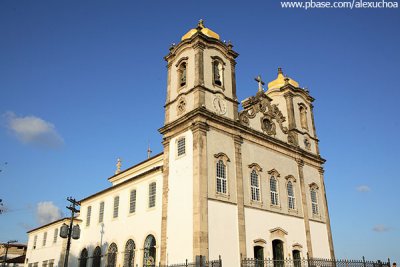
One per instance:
(70, 231)
(7, 246)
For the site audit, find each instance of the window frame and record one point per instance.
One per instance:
(152, 195)
(132, 201)
(88, 215)
(314, 190)
(291, 180)
(274, 195)
(178, 140)
(179, 70)
(255, 168)
(101, 211)
(224, 181)
(115, 207)
(44, 241)
(55, 235)
(221, 69)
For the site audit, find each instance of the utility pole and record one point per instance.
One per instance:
(73, 209)
(7, 246)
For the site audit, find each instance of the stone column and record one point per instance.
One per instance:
(234, 96)
(292, 136)
(199, 93)
(300, 164)
(240, 196)
(200, 189)
(327, 219)
(313, 126)
(167, 109)
(164, 212)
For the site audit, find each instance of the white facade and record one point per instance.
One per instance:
(245, 184)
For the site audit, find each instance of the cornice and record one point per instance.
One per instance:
(200, 87)
(240, 129)
(201, 41)
(295, 91)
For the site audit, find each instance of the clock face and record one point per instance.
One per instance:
(219, 105)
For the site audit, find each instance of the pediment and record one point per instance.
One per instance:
(278, 231)
(270, 115)
(260, 240)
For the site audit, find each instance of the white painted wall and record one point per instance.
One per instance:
(223, 233)
(180, 201)
(127, 226)
(51, 251)
(319, 240)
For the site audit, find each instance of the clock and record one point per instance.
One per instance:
(219, 105)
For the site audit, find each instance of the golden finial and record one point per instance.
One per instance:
(280, 70)
(119, 164)
(200, 24)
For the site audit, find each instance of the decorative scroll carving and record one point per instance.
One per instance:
(261, 103)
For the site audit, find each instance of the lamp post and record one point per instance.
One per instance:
(68, 232)
(7, 246)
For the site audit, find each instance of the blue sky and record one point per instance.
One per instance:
(84, 82)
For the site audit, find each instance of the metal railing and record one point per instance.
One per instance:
(312, 262)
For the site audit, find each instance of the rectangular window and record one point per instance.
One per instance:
(116, 206)
(55, 235)
(181, 146)
(51, 263)
(132, 202)
(88, 214)
(44, 264)
(34, 241)
(36, 264)
(152, 195)
(255, 186)
(44, 239)
(314, 202)
(101, 212)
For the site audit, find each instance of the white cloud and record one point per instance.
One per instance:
(33, 130)
(363, 188)
(381, 228)
(47, 212)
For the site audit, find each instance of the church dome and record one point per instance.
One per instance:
(280, 81)
(204, 30)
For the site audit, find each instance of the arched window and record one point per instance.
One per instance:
(221, 177)
(303, 116)
(274, 190)
(129, 258)
(112, 255)
(218, 71)
(291, 198)
(182, 72)
(314, 201)
(255, 186)
(149, 254)
(83, 258)
(96, 257)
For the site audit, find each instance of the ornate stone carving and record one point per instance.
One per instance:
(307, 143)
(292, 138)
(181, 108)
(261, 103)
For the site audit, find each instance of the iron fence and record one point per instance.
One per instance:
(312, 262)
(200, 262)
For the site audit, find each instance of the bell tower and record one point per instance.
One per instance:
(201, 89)
(201, 75)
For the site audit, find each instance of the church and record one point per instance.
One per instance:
(232, 182)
